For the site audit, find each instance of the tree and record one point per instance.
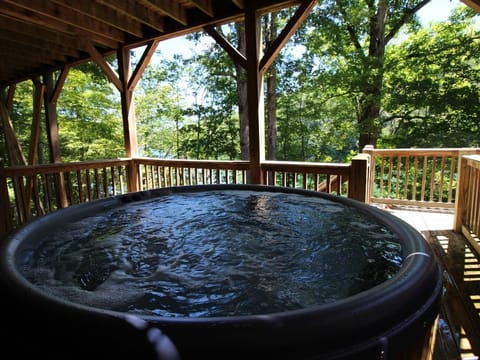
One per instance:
(223, 110)
(89, 117)
(158, 107)
(21, 117)
(353, 36)
(270, 30)
(432, 86)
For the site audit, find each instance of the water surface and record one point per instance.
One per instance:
(216, 253)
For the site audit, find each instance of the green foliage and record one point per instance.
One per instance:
(21, 116)
(89, 118)
(187, 106)
(158, 110)
(421, 178)
(432, 97)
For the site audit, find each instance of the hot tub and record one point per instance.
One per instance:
(283, 273)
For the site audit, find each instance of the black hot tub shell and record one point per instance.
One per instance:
(392, 320)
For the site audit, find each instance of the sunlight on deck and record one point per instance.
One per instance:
(458, 331)
(466, 347)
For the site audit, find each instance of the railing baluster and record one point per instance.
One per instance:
(89, 185)
(69, 187)
(398, 176)
(433, 178)
(453, 171)
(97, 183)
(105, 182)
(38, 204)
(407, 177)
(414, 182)
(424, 178)
(382, 174)
(390, 172)
(442, 175)
(113, 181)
(48, 192)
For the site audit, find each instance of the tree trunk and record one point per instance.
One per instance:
(369, 119)
(270, 36)
(242, 95)
(370, 124)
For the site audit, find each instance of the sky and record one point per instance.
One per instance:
(437, 10)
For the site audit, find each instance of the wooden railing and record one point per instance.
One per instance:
(341, 179)
(27, 192)
(155, 173)
(330, 178)
(418, 177)
(467, 209)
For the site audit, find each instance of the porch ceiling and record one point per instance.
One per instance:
(45, 35)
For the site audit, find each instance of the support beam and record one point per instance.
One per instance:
(14, 152)
(36, 121)
(293, 24)
(255, 95)
(59, 85)
(142, 65)
(236, 55)
(104, 65)
(9, 99)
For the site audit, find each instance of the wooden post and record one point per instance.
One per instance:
(133, 183)
(52, 92)
(358, 181)
(6, 223)
(255, 95)
(463, 173)
(128, 108)
(461, 195)
(369, 149)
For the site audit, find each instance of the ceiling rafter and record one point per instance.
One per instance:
(54, 13)
(42, 36)
(55, 50)
(103, 14)
(137, 12)
(37, 34)
(51, 23)
(205, 6)
(169, 8)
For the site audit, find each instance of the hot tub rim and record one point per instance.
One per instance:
(419, 271)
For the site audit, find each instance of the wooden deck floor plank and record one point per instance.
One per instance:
(458, 332)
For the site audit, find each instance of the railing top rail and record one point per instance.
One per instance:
(333, 168)
(28, 170)
(221, 164)
(422, 151)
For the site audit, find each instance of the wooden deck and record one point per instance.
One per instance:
(458, 331)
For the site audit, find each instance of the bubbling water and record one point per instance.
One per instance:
(215, 253)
